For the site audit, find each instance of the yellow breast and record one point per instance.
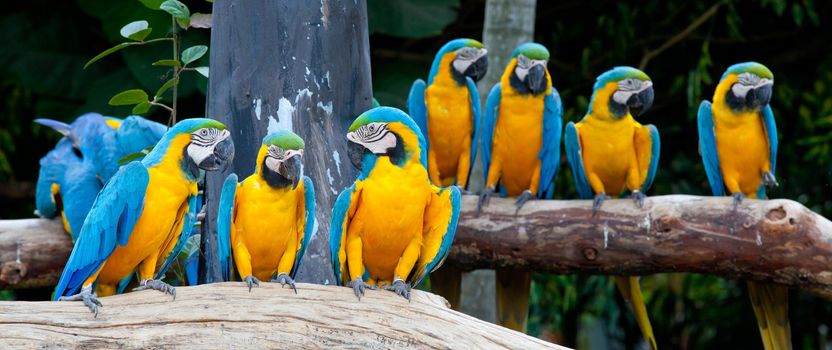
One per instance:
(389, 214)
(518, 138)
(265, 220)
(608, 149)
(450, 121)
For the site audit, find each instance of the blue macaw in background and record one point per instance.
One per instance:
(73, 173)
(143, 216)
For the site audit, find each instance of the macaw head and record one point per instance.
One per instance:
(527, 69)
(746, 86)
(280, 159)
(624, 90)
(198, 143)
(464, 57)
(385, 132)
(84, 132)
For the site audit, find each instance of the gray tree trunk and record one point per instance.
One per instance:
(508, 23)
(294, 65)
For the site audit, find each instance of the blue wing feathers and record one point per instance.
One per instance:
(448, 238)
(476, 113)
(489, 122)
(225, 214)
(707, 147)
(655, 152)
(339, 216)
(550, 152)
(416, 107)
(576, 162)
(309, 224)
(187, 228)
(109, 224)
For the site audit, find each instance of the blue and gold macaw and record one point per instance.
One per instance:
(87, 156)
(392, 227)
(277, 190)
(738, 142)
(142, 217)
(521, 154)
(447, 110)
(609, 152)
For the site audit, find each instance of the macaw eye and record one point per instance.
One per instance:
(371, 127)
(523, 62)
(203, 132)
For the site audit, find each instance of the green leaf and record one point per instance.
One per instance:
(193, 53)
(168, 63)
(152, 4)
(201, 20)
(129, 97)
(202, 70)
(131, 157)
(108, 52)
(137, 30)
(178, 10)
(167, 85)
(191, 246)
(141, 108)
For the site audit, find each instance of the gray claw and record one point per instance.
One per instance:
(87, 296)
(522, 199)
(485, 197)
(597, 202)
(769, 180)
(638, 198)
(251, 281)
(738, 198)
(284, 279)
(156, 285)
(400, 288)
(358, 286)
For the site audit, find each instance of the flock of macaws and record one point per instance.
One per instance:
(395, 224)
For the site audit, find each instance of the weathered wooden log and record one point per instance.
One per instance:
(777, 240)
(32, 252)
(227, 315)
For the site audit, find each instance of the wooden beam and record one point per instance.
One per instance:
(226, 315)
(776, 240)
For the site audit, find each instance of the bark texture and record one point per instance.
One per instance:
(226, 315)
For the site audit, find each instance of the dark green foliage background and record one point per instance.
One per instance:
(45, 44)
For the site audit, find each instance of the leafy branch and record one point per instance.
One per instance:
(137, 32)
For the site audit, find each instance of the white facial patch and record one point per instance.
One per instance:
(374, 136)
(747, 81)
(277, 156)
(203, 142)
(524, 64)
(467, 56)
(629, 87)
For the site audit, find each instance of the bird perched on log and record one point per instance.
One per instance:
(738, 143)
(143, 215)
(392, 227)
(609, 152)
(521, 154)
(88, 155)
(278, 191)
(447, 110)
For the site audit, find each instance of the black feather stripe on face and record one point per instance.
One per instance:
(205, 137)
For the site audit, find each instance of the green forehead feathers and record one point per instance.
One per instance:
(618, 74)
(284, 139)
(533, 51)
(749, 67)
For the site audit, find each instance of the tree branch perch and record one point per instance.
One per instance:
(777, 240)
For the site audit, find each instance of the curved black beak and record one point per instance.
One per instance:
(759, 96)
(536, 79)
(221, 158)
(291, 170)
(356, 154)
(641, 102)
(477, 70)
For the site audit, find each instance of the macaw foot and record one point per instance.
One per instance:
(738, 198)
(597, 202)
(251, 281)
(522, 199)
(485, 197)
(156, 285)
(769, 180)
(89, 298)
(358, 286)
(284, 279)
(464, 191)
(638, 198)
(399, 287)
